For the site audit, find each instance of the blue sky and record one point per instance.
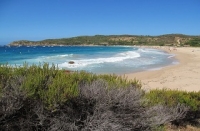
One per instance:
(43, 19)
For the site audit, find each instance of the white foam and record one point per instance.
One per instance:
(152, 51)
(171, 56)
(117, 58)
(155, 69)
(175, 63)
(56, 56)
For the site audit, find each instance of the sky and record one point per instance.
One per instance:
(48, 19)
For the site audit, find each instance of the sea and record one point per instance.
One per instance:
(94, 59)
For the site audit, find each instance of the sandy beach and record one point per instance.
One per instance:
(183, 76)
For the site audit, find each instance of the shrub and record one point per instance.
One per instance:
(49, 85)
(45, 98)
(53, 86)
(121, 109)
(173, 97)
(99, 107)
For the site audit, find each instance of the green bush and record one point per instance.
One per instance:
(42, 97)
(194, 42)
(53, 86)
(173, 97)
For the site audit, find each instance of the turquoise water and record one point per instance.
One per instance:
(96, 59)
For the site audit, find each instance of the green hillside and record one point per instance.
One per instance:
(168, 39)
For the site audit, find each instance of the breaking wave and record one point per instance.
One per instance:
(116, 58)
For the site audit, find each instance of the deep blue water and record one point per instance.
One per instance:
(96, 59)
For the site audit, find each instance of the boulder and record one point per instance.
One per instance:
(71, 62)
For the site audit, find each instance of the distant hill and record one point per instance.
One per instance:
(168, 39)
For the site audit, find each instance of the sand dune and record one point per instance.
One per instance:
(184, 76)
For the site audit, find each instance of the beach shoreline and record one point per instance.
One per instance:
(184, 76)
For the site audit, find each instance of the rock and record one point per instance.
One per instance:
(71, 62)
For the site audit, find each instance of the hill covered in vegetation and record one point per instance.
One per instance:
(169, 39)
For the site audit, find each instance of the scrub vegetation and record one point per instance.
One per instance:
(41, 97)
(162, 40)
